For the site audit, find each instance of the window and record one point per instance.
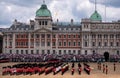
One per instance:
(46, 23)
(85, 52)
(54, 52)
(10, 44)
(105, 44)
(93, 52)
(99, 36)
(48, 43)
(69, 43)
(64, 36)
(54, 44)
(74, 52)
(69, 51)
(21, 51)
(78, 43)
(64, 43)
(37, 51)
(59, 36)
(42, 43)
(54, 36)
(37, 43)
(85, 44)
(48, 51)
(93, 44)
(99, 44)
(26, 51)
(93, 36)
(64, 51)
(60, 52)
(17, 51)
(85, 36)
(42, 22)
(117, 44)
(78, 36)
(118, 53)
(79, 52)
(74, 36)
(74, 44)
(48, 35)
(111, 43)
(10, 51)
(43, 35)
(31, 51)
(111, 36)
(69, 36)
(32, 36)
(59, 43)
(43, 51)
(39, 22)
(37, 35)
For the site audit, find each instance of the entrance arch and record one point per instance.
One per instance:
(106, 56)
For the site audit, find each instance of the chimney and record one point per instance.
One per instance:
(71, 21)
(32, 22)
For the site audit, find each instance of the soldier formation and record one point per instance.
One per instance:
(104, 67)
(46, 68)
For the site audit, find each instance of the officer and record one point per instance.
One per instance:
(72, 71)
(114, 67)
(106, 69)
(103, 68)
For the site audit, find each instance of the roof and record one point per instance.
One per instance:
(96, 16)
(43, 11)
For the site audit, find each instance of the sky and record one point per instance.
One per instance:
(64, 10)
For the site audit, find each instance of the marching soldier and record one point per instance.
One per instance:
(114, 67)
(103, 68)
(106, 69)
(72, 71)
(79, 68)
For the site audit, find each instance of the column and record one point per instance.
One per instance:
(7, 41)
(34, 44)
(4, 44)
(13, 42)
(51, 43)
(57, 43)
(29, 41)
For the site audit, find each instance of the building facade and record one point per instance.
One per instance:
(43, 36)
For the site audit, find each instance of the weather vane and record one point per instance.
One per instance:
(44, 1)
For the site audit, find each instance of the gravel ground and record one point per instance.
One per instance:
(95, 73)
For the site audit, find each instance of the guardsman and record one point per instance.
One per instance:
(80, 70)
(106, 69)
(103, 68)
(100, 66)
(89, 70)
(114, 67)
(72, 71)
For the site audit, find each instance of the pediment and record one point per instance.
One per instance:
(43, 30)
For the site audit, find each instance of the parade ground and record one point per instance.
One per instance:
(95, 73)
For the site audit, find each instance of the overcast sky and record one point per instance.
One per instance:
(64, 10)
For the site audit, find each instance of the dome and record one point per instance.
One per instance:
(96, 16)
(43, 11)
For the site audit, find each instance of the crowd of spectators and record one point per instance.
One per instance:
(64, 58)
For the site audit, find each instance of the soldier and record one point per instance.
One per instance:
(114, 67)
(106, 69)
(72, 71)
(100, 66)
(79, 68)
(103, 68)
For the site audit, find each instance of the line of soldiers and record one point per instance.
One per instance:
(87, 68)
(105, 67)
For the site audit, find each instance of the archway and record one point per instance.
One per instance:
(106, 56)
